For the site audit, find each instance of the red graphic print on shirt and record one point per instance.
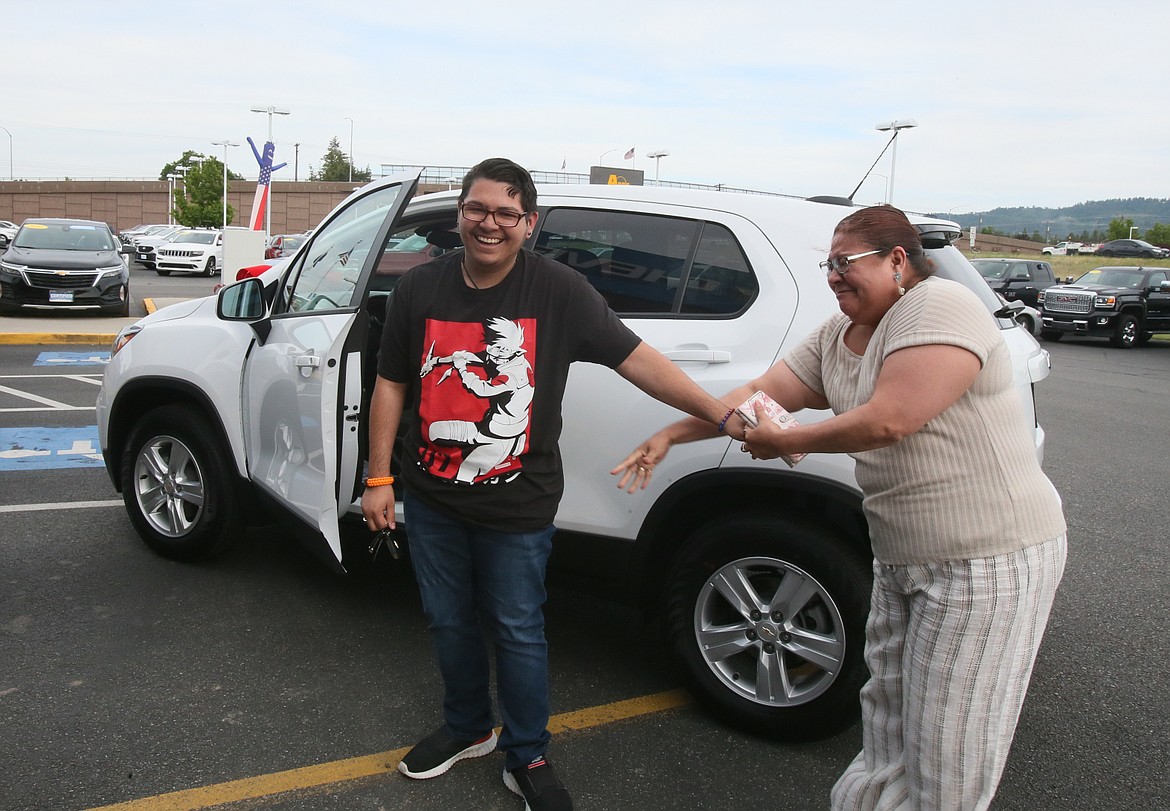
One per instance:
(476, 398)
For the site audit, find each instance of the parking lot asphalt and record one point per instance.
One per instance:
(70, 328)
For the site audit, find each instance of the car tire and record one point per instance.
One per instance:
(178, 485)
(770, 557)
(163, 272)
(210, 269)
(1051, 335)
(1027, 323)
(1126, 333)
(1147, 255)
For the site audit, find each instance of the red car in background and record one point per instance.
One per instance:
(283, 245)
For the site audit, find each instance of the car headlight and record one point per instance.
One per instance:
(12, 267)
(124, 338)
(110, 271)
(1105, 302)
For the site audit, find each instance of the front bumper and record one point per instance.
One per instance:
(1103, 324)
(106, 294)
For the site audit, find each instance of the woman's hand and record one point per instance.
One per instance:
(767, 440)
(637, 469)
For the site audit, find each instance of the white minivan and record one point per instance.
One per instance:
(758, 572)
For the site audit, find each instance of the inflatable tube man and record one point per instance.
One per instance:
(260, 201)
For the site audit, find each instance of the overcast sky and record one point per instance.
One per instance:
(1017, 103)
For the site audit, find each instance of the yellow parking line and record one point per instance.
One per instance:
(338, 771)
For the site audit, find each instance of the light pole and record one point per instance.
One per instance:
(885, 182)
(601, 160)
(9, 134)
(270, 111)
(658, 155)
(225, 144)
(350, 120)
(897, 125)
(1131, 230)
(171, 178)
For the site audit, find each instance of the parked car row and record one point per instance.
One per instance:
(1127, 305)
(54, 264)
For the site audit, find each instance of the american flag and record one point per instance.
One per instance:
(630, 154)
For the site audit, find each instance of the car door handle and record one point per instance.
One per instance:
(698, 356)
(307, 363)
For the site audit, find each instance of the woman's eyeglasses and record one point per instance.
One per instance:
(841, 263)
(505, 218)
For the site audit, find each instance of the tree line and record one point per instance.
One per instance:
(1119, 228)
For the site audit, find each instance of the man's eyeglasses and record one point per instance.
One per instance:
(505, 218)
(841, 263)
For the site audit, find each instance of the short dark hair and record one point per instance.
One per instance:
(884, 228)
(502, 170)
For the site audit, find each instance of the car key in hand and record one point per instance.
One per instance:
(385, 538)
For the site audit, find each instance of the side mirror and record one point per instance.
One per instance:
(243, 301)
(1010, 309)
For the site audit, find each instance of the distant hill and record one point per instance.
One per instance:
(1057, 223)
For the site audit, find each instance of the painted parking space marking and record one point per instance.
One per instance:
(89, 381)
(338, 771)
(60, 505)
(49, 448)
(72, 359)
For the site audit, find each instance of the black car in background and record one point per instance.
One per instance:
(1016, 279)
(1132, 247)
(1127, 305)
(55, 264)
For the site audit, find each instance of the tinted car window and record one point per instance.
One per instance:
(720, 280)
(648, 264)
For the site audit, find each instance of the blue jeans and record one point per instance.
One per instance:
(473, 579)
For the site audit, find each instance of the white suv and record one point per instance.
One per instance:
(759, 573)
(191, 251)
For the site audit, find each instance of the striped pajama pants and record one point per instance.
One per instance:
(950, 648)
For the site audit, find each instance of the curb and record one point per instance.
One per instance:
(58, 338)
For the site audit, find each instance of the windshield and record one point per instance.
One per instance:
(64, 237)
(990, 270)
(1113, 277)
(198, 237)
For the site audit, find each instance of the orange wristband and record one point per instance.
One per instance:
(379, 481)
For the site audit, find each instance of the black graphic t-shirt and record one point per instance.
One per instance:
(487, 370)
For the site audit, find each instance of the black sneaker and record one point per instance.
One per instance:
(439, 751)
(539, 785)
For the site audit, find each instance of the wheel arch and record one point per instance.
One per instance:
(145, 394)
(704, 497)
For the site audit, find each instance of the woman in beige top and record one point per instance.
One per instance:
(967, 532)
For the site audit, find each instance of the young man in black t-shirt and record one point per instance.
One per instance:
(478, 345)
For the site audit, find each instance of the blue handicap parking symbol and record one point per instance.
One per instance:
(45, 448)
(72, 359)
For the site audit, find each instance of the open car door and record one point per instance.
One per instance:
(302, 379)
